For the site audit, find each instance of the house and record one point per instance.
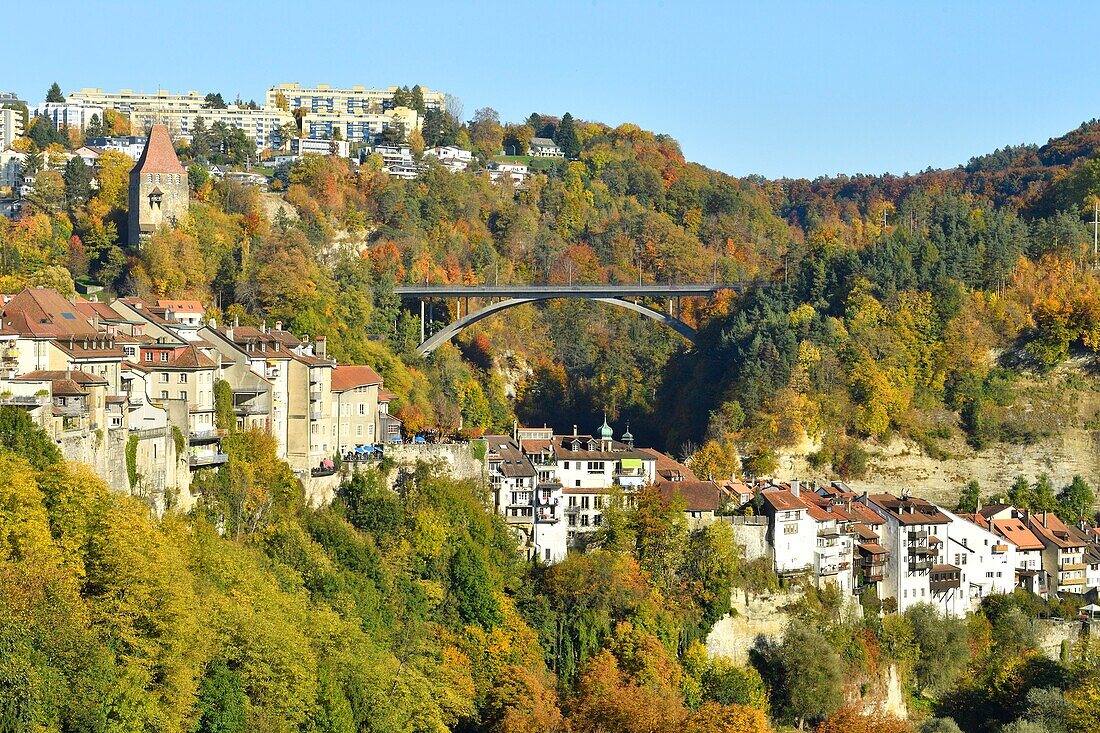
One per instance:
(534, 510)
(452, 158)
(515, 172)
(355, 403)
(184, 312)
(701, 500)
(1064, 561)
(791, 532)
(543, 147)
(1003, 521)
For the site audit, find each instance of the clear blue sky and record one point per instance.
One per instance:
(777, 88)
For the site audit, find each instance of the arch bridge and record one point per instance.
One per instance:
(503, 297)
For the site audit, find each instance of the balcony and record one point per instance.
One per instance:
(205, 436)
(149, 433)
(572, 510)
(205, 460)
(926, 551)
(1073, 566)
(921, 535)
(547, 516)
(322, 471)
(920, 566)
(314, 414)
(943, 586)
(245, 410)
(872, 575)
(31, 401)
(315, 395)
(72, 410)
(1000, 548)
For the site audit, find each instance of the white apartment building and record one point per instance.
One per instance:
(515, 172)
(131, 146)
(265, 128)
(75, 115)
(11, 126)
(986, 560)
(356, 100)
(535, 511)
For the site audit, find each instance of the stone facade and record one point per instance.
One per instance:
(158, 187)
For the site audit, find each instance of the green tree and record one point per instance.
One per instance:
(53, 94)
(939, 725)
(472, 588)
(94, 128)
(943, 647)
(970, 499)
(566, 137)
(78, 182)
(1075, 501)
(222, 701)
(811, 675)
(213, 100)
(21, 436)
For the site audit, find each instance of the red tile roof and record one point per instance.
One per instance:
(44, 313)
(159, 155)
(910, 510)
(783, 500)
(1015, 532)
(347, 376)
(181, 306)
(698, 496)
(74, 375)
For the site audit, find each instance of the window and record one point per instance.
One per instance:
(572, 520)
(164, 394)
(572, 501)
(577, 483)
(584, 502)
(183, 378)
(183, 395)
(790, 529)
(584, 520)
(566, 465)
(362, 409)
(148, 356)
(597, 502)
(358, 429)
(595, 466)
(164, 356)
(164, 377)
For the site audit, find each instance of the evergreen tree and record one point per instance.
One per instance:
(1075, 500)
(566, 137)
(200, 139)
(94, 127)
(54, 94)
(43, 133)
(416, 99)
(214, 101)
(78, 182)
(32, 164)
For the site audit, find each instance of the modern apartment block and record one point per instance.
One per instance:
(11, 126)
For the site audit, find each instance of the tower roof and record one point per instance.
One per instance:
(159, 155)
(605, 430)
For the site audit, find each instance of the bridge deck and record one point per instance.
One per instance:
(564, 291)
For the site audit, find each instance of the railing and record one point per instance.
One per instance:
(209, 459)
(23, 400)
(549, 517)
(250, 410)
(205, 436)
(920, 566)
(72, 410)
(322, 471)
(918, 535)
(942, 586)
(149, 433)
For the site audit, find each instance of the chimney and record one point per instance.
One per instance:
(1045, 518)
(236, 321)
(574, 431)
(796, 487)
(278, 325)
(229, 333)
(213, 323)
(263, 326)
(319, 347)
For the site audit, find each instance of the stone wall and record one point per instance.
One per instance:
(752, 534)
(457, 459)
(1053, 633)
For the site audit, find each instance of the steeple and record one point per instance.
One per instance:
(158, 187)
(606, 434)
(628, 439)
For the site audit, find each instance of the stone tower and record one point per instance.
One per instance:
(158, 187)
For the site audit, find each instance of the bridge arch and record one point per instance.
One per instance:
(452, 329)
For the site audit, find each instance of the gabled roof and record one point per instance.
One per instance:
(191, 358)
(910, 510)
(544, 142)
(1015, 532)
(159, 155)
(74, 375)
(669, 469)
(1052, 530)
(349, 376)
(44, 313)
(783, 500)
(181, 306)
(698, 496)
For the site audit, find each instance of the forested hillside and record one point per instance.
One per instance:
(890, 305)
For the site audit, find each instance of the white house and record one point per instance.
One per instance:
(544, 147)
(791, 531)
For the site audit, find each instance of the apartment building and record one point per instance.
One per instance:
(1002, 520)
(74, 115)
(533, 510)
(356, 100)
(452, 158)
(355, 407)
(11, 126)
(1064, 561)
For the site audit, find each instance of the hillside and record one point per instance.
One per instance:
(929, 329)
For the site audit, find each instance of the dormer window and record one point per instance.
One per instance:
(155, 197)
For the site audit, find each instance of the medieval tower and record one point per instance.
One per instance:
(158, 187)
